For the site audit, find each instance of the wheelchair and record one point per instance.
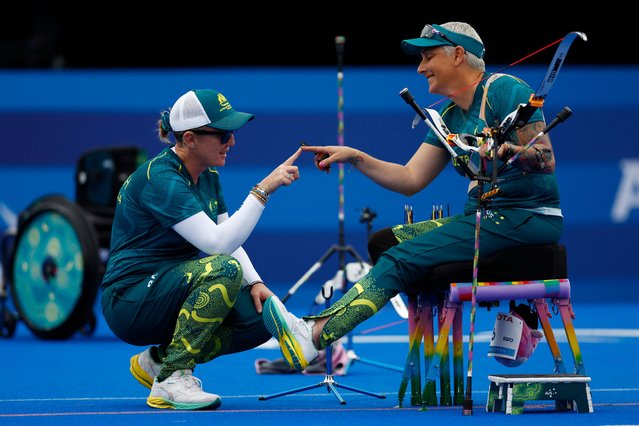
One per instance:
(54, 261)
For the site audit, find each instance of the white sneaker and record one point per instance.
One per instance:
(293, 334)
(182, 391)
(144, 368)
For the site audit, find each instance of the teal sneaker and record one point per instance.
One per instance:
(293, 334)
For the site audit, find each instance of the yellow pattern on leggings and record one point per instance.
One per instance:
(409, 231)
(359, 303)
(225, 293)
(214, 285)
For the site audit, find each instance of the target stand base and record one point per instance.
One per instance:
(508, 392)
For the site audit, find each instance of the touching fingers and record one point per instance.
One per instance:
(293, 158)
(311, 148)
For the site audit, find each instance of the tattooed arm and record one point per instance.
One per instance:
(538, 158)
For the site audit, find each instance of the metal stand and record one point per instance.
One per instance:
(366, 217)
(352, 357)
(340, 248)
(329, 381)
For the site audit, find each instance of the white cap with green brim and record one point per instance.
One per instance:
(206, 107)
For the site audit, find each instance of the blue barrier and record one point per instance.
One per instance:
(50, 118)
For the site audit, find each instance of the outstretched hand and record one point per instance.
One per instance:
(327, 155)
(284, 174)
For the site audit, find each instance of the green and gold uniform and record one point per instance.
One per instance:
(157, 289)
(526, 212)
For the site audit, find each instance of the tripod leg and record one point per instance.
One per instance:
(331, 387)
(355, 255)
(362, 391)
(288, 392)
(309, 273)
(377, 363)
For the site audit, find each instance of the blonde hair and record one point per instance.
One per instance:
(164, 129)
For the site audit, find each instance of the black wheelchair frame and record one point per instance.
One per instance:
(53, 263)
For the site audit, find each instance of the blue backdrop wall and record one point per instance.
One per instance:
(49, 118)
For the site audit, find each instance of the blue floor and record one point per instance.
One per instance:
(86, 378)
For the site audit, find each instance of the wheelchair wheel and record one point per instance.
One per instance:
(55, 268)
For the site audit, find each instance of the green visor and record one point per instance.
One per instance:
(436, 35)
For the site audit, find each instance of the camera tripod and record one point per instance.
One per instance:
(367, 216)
(329, 381)
(339, 282)
(341, 249)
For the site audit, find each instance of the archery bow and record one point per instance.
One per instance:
(440, 130)
(522, 114)
(512, 122)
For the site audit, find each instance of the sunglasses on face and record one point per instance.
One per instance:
(224, 134)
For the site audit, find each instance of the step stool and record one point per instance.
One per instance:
(535, 281)
(558, 291)
(509, 392)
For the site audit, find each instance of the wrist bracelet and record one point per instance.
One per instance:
(259, 197)
(541, 162)
(355, 160)
(259, 188)
(260, 193)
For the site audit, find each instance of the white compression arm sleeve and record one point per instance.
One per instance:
(226, 237)
(250, 275)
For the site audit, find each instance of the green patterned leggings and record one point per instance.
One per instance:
(424, 245)
(194, 311)
(198, 337)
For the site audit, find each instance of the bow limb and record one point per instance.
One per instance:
(525, 111)
(557, 62)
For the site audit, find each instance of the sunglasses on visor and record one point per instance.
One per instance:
(429, 31)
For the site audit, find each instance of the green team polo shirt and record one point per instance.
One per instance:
(519, 189)
(159, 194)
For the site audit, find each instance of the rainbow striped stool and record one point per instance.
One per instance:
(494, 286)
